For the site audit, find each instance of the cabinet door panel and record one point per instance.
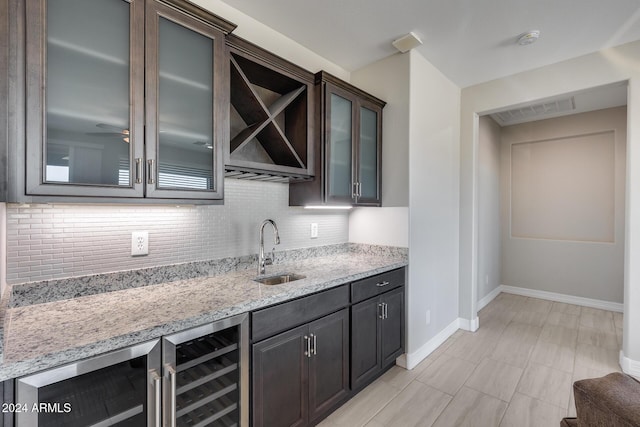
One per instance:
(329, 365)
(392, 327)
(340, 139)
(280, 380)
(369, 152)
(365, 354)
(87, 60)
(184, 68)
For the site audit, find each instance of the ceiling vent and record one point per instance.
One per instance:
(539, 111)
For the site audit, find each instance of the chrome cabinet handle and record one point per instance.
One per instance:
(172, 379)
(315, 344)
(354, 192)
(359, 189)
(385, 308)
(308, 342)
(157, 388)
(150, 174)
(138, 170)
(381, 284)
(381, 310)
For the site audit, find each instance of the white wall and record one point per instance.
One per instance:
(489, 230)
(388, 80)
(379, 226)
(433, 203)
(563, 228)
(3, 247)
(605, 67)
(271, 40)
(420, 170)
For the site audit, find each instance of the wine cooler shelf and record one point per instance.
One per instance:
(207, 380)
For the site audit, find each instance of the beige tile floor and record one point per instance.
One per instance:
(516, 370)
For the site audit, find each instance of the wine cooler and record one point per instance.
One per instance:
(198, 377)
(205, 372)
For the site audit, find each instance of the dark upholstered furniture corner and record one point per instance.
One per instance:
(609, 401)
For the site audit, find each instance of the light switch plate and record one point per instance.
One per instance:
(314, 230)
(139, 243)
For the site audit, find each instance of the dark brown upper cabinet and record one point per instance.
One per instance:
(124, 101)
(271, 124)
(349, 151)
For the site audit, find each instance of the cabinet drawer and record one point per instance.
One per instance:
(375, 285)
(271, 320)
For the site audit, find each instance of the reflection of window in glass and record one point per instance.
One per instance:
(183, 181)
(123, 177)
(58, 173)
(177, 176)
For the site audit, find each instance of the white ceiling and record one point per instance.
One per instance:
(470, 41)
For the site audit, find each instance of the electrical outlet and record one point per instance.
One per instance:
(428, 317)
(139, 243)
(314, 230)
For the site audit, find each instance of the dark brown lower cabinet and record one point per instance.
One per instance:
(301, 374)
(377, 330)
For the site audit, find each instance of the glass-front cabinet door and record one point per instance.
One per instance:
(353, 132)
(369, 154)
(185, 73)
(84, 127)
(340, 138)
(125, 99)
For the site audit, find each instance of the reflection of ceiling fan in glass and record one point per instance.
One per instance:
(115, 132)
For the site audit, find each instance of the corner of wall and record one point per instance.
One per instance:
(3, 247)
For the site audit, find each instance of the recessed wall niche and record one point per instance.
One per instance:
(564, 188)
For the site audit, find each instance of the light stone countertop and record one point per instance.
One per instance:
(50, 334)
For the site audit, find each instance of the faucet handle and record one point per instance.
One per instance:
(268, 260)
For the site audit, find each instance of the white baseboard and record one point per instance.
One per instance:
(490, 297)
(567, 299)
(469, 325)
(629, 366)
(411, 360)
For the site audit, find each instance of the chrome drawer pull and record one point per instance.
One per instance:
(381, 284)
(138, 170)
(315, 344)
(308, 342)
(150, 172)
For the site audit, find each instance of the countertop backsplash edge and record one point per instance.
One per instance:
(31, 293)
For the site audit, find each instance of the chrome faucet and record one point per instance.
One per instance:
(262, 260)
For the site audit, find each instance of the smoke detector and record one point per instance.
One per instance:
(528, 37)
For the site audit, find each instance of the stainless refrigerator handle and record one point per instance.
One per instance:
(157, 389)
(172, 380)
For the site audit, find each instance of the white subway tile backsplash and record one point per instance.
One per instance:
(56, 241)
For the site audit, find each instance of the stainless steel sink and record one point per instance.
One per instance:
(280, 278)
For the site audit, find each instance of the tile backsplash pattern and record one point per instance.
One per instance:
(55, 241)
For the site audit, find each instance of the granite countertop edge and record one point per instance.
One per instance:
(47, 361)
